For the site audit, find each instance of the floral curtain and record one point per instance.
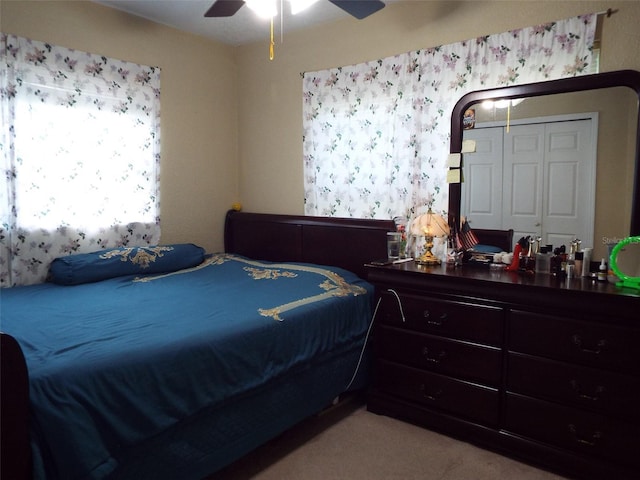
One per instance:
(79, 152)
(376, 134)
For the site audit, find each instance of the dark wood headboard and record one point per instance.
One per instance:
(343, 242)
(497, 238)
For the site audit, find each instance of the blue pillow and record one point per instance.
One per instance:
(116, 262)
(486, 249)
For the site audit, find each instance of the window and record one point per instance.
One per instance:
(376, 134)
(80, 143)
(100, 158)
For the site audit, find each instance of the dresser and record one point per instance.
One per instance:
(546, 371)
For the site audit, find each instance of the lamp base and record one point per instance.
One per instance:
(427, 258)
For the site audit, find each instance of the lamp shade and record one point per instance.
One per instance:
(430, 225)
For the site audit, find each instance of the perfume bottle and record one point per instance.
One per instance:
(579, 259)
(543, 260)
(559, 262)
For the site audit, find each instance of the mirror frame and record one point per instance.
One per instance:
(620, 78)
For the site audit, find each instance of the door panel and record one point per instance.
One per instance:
(523, 165)
(569, 197)
(482, 196)
(547, 178)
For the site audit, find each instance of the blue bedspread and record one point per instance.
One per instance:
(114, 363)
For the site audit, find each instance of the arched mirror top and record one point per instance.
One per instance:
(623, 78)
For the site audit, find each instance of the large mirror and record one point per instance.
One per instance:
(600, 111)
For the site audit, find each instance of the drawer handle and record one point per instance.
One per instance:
(590, 442)
(593, 397)
(437, 358)
(577, 340)
(436, 322)
(430, 396)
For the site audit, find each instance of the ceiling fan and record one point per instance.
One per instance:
(358, 8)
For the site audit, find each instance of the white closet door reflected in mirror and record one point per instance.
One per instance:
(537, 178)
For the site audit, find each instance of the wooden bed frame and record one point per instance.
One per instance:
(343, 242)
(346, 243)
(497, 238)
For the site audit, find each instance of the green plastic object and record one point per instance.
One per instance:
(625, 280)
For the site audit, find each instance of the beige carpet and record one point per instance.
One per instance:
(349, 443)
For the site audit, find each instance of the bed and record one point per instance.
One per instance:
(500, 240)
(175, 374)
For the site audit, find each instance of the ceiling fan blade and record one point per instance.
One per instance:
(224, 8)
(359, 8)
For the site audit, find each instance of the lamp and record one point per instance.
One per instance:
(268, 9)
(430, 225)
(263, 8)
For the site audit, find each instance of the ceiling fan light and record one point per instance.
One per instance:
(263, 8)
(490, 104)
(298, 6)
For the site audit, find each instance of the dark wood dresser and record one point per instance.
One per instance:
(544, 370)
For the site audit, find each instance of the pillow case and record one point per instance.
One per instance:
(116, 262)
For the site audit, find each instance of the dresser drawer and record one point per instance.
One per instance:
(450, 357)
(465, 321)
(596, 389)
(573, 429)
(474, 402)
(587, 343)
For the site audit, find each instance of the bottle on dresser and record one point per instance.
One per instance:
(602, 271)
(586, 261)
(543, 259)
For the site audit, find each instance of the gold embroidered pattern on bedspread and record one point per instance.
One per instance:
(333, 284)
(143, 257)
(268, 273)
